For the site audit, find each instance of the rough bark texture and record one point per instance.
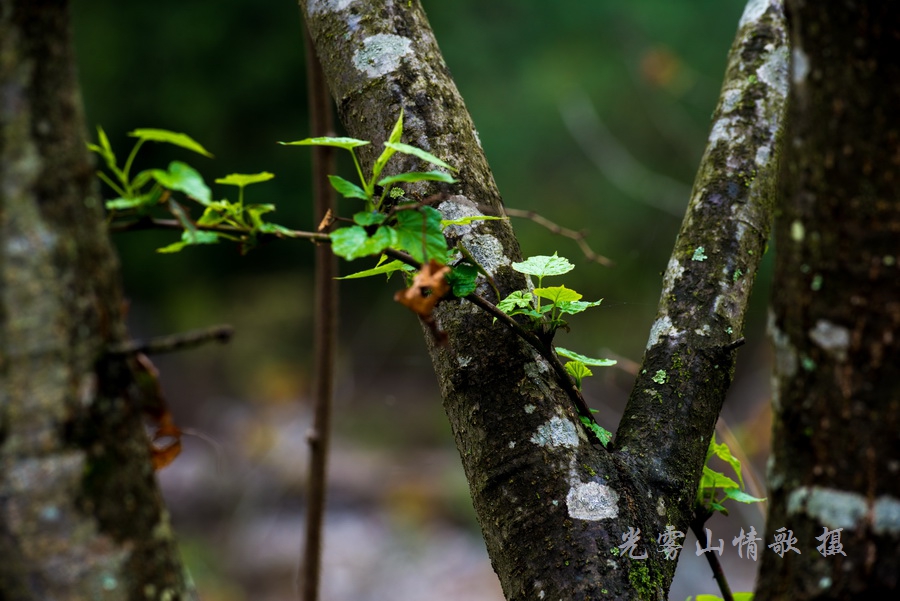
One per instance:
(553, 508)
(80, 514)
(836, 314)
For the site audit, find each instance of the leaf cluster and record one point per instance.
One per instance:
(715, 487)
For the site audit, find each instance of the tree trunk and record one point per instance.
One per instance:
(80, 513)
(553, 507)
(836, 317)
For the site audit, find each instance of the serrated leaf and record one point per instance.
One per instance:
(181, 177)
(541, 266)
(170, 137)
(520, 299)
(417, 176)
(586, 360)
(345, 143)
(462, 279)
(599, 431)
(346, 188)
(419, 153)
(418, 232)
(557, 294)
(387, 268)
(369, 218)
(741, 497)
(573, 307)
(245, 179)
(189, 238)
(578, 371)
(469, 220)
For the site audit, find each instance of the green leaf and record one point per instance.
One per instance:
(417, 176)
(542, 266)
(722, 451)
(387, 268)
(345, 143)
(573, 307)
(124, 204)
(462, 279)
(520, 299)
(397, 132)
(469, 220)
(104, 149)
(599, 431)
(170, 137)
(347, 189)
(713, 479)
(578, 371)
(188, 238)
(369, 218)
(557, 294)
(741, 497)
(419, 153)
(742, 596)
(212, 215)
(418, 232)
(708, 598)
(181, 177)
(586, 360)
(245, 179)
(347, 242)
(388, 152)
(255, 211)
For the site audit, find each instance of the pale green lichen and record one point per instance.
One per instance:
(699, 254)
(557, 432)
(660, 377)
(381, 54)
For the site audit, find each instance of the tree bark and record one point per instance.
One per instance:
(553, 508)
(80, 514)
(836, 315)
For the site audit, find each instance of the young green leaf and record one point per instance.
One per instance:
(578, 371)
(573, 307)
(255, 211)
(170, 137)
(462, 279)
(722, 451)
(124, 204)
(104, 149)
(347, 189)
(586, 360)
(417, 176)
(181, 177)
(419, 153)
(419, 234)
(541, 266)
(445, 223)
(369, 218)
(189, 237)
(520, 299)
(245, 179)
(345, 143)
(347, 241)
(557, 294)
(599, 431)
(387, 269)
(740, 496)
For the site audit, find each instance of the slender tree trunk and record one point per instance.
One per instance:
(836, 317)
(553, 508)
(80, 513)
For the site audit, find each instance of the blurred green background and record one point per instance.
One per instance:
(593, 113)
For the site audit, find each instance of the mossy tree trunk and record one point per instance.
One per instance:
(553, 507)
(836, 316)
(80, 514)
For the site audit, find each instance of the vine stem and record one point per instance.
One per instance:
(711, 558)
(325, 334)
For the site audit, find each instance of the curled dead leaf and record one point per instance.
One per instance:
(427, 289)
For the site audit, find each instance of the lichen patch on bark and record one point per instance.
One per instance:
(592, 501)
(381, 54)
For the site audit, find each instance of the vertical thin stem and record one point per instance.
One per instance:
(325, 326)
(713, 560)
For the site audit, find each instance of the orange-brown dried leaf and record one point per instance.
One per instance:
(326, 222)
(164, 454)
(428, 287)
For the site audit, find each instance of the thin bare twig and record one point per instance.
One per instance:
(173, 342)
(578, 237)
(325, 319)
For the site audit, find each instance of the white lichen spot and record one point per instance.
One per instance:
(592, 501)
(798, 232)
(674, 271)
(661, 507)
(535, 374)
(488, 251)
(540, 594)
(831, 507)
(557, 432)
(463, 361)
(785, 353)
(512, 444)
(726, 129)
(477, 137)
(327, 6)
(730, 99)
(704, 331)
(753, 11)
(800, 66)
(381, 54)
(774, 71)
(832, 338)
(763, 153)
(661, 327)
(555, 502)
(529, 409)
(824, 582)
(886, 520)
